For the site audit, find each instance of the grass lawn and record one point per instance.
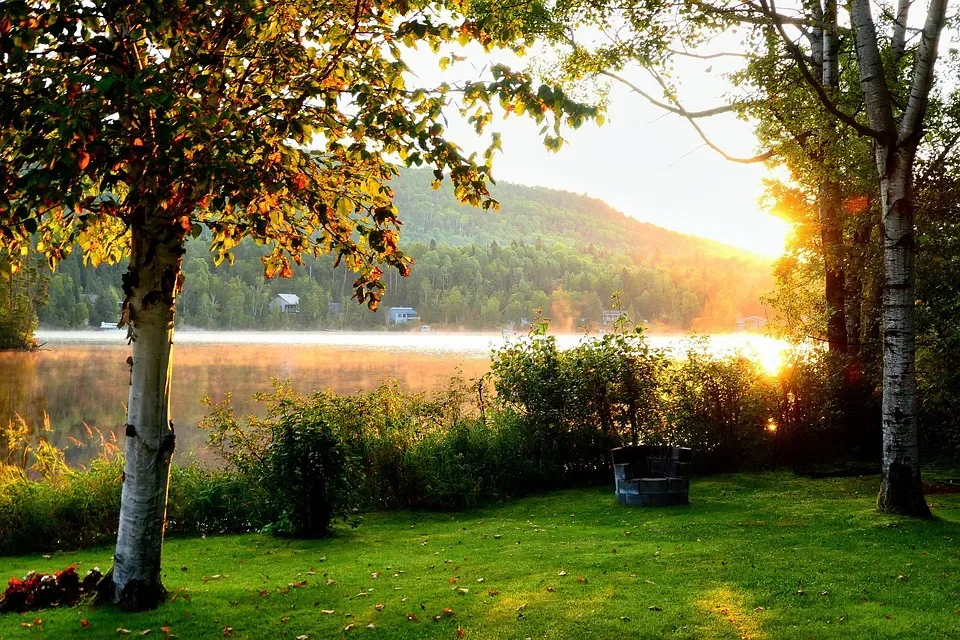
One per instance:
(758, 556)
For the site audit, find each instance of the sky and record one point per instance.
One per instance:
(644, 162)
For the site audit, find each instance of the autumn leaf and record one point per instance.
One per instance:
(84, 623)
(448, 611)
(460, 632)
(227, 631)
(83, 159)
(122, 632)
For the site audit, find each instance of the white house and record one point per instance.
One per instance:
(286, 303)
(610, 316)
(401, 315)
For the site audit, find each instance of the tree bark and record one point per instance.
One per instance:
(151, 285)
(831, 237)
(853, 284)
(829, 193)
(901, 489)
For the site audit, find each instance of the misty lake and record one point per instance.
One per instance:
(81, 377)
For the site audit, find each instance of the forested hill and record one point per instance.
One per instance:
(560, 252)
(530, 212)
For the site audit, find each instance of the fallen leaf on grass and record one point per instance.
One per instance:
(379, 606)
(146, 632)
(551, 589)
(84, 623)
(327, 611)
(624, 619)
(581, 579)
(462, 592)
(371, 626)
(349, 627)
(303, 637)
(227, 631)
(412, 617)
(122, 632)
(493, 592)
(448, 611)
(655, 608)
(284, 619)
(460, 632)
(562, 574)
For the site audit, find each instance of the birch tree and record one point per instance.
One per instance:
(650, 35)
(127, 127)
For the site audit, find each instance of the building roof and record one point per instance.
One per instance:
(289, 298)
(402, 309)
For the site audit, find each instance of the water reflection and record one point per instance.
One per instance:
(82, 377)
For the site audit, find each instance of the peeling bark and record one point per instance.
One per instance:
(150, 284)
(901, 490)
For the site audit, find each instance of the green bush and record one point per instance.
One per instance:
(298, 460)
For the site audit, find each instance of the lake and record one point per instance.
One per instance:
(81, 377)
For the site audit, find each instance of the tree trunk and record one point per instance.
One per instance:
(150, 284)
(854, 278)
(831, 235)
(901, 490)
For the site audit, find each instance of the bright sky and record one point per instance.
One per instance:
(649, 164)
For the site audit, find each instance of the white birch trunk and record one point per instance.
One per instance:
(901, 490)
(151, 284)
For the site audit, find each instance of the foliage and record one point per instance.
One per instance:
(301, 462)
(20, 295)
(751, 554)
(719, 407)
(220, 104)
(45, 504)
(474, 269)
(42, 590)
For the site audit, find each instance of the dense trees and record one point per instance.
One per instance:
(560, 252)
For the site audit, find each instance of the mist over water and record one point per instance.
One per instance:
(81, 377)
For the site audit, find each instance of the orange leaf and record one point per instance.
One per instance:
(83, 159)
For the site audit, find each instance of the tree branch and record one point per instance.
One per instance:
(676, 109)
(817, 87)
(911, 125)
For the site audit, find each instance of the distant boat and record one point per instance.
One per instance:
(105, 326)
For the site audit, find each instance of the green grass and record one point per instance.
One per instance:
(759, 556)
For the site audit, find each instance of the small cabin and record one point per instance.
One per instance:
(285, 303)
(402, 315)
(610, 316)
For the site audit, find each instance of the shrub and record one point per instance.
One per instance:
(302, 463)
(719, 407)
